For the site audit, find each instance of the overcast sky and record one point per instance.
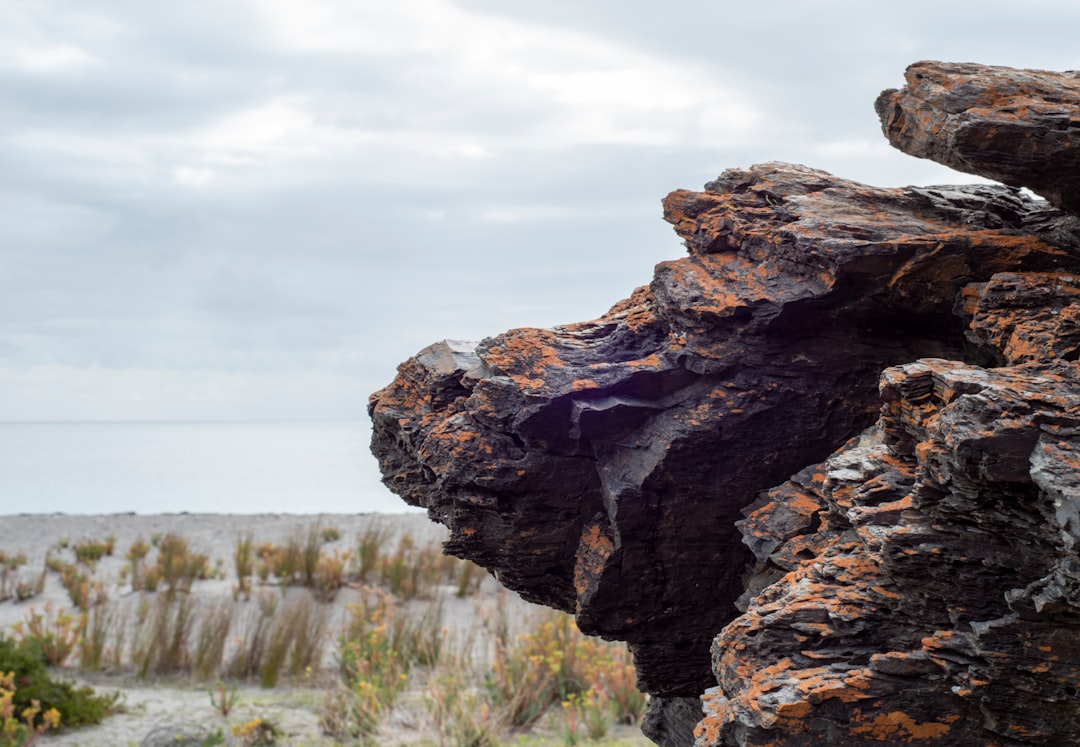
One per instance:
(232, 209)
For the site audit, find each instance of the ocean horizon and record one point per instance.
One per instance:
(226, 467)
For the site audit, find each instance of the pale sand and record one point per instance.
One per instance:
(150, 704)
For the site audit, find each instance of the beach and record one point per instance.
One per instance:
(472, 608)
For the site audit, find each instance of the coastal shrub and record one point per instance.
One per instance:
(532, 672)
(460, 713)
(9, 564)
(244, 565)
(13, 584)
(285, 562)
(553, 662)
(224, 697)
(98, 625)
(378, 646)
(161, 643)
(609, 670)
(89, 552)
(295, 640)
(55, 632)
(21, 727)
(77, 705)
(330, 574)
(177, 566)
(258, 732)
(469, 578)
(264, 551)
(310, 555)
(247, 655)
(411, 571)
(370, 543)
(589, 712)
(79, 583)
(215, 624)
(136, 557)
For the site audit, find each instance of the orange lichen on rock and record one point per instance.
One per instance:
(919, 585)
(897, 727)
(594, 550)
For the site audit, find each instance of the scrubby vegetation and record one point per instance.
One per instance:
(29, 684)
(388, 648)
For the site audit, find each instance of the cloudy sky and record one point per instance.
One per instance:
(232, 209)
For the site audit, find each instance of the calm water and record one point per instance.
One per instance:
(196, 467)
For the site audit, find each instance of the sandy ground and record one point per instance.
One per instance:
(148, 704)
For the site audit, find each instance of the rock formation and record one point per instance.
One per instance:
(919, 582)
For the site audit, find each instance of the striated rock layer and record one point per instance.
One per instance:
(1020, 127)
(917, 586)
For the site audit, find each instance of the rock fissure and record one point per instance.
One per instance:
(918, 582)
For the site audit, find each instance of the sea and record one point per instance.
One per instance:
(193, 467)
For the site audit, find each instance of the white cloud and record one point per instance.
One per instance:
(523, 213)
(93, 393)
(590, 90)
(193, 176)
(279, 124)
(48, 58)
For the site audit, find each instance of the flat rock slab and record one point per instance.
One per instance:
(1019, 127)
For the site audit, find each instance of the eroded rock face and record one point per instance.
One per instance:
(1020, 127)
(917, 586)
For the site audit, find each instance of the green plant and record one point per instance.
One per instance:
(412, 571)
(94, 635)
(287, 562)
(330, 534)
(9, 564)
(264, 551)
(461, 715)
(330, 574)
(21, 727)
(589, 711)
(535, 670)
(294, 641)
(89, 552)
(247, 655)
(80, 585)
(258, 732)
(55, 631)
(312, 551)
(376, 649)
(570, 727)
(224, 697)
(161, 643)
(244, 564)
(177, 566)
(136, 556)
(617, 678)
(216, 738)
(77, 705)
(215, 623)
(470, 576)
(369, 548)
(553, 662)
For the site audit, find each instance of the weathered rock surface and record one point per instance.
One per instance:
(918, 586)
(1020, 127)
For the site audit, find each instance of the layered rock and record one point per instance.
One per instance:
(915, 586)
(1020, 127)
(922, 587)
